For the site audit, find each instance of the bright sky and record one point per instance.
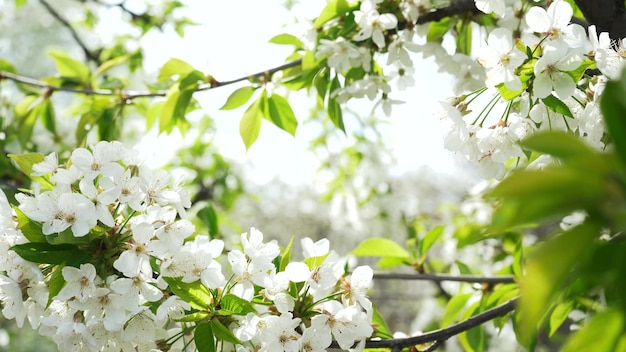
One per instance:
(232, 41)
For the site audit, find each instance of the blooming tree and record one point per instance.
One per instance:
(101, 253)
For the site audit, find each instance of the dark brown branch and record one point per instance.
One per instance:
(129, 95)
(455, 8)
(607, 15)
(444, 334)
(90, 55)
(440, 277)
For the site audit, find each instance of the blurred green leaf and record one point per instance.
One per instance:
(333, 9)
(547, 269)
(208, 216)
(380, 247)
(431, 237)
(25, 163)
(174, 67)
(602, 332)
(48, 117)
(109, 64)
(381, 328)
(287, 39)
(55, 283)
(464, 37)
(30, 229)
(557, 143)
(454, 308)
(613, 106)
(436, 30)
(71, 68)
(558, 316)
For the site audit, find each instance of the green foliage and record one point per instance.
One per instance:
(391, 253)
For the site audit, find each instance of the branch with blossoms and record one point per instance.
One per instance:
(100, 255)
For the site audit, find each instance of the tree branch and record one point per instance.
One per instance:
(438, 336)
(607, 15)
(90, 55)
(440, 277)
(455, 8)
(129, 95)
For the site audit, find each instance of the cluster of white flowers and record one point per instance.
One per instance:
(533, 60)
(100, 257)
(542, 73)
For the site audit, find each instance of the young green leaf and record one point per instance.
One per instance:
(557, 143)
(223, 333)
(70, 68)
(431, 237)
(55, 283)
(233, 305)
(208, 216)
(333, 9)
(250, 124)
(382, 329)
(195, 293)
(287, 39)
(25, 163)
(174, 67)
(603, 332)
(558, 316)
(281, 114)
(557, 105)
(238, 98)
(380, 247)
(107, 65)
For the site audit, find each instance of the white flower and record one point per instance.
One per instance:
(103, 160)
(348, 324)
(501, 58)
(173, 307)
(489, 6)
(80, 282)
(101, 200)
(373, 24)
(555, 25)
(551, 73)
(135, 260)
(340, 53)
(12, 303)
(317, 249)
(61, 211)
(611, 62)
(279, 334)
(356, 290)
(50, 164)
(398, 51)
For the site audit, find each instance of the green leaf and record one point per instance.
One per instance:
(238, 98)
(454, 308)
(333, 9)
(436, 30)
(464, 37)
(203, 337)
(55, 283)
(30, 229)
(208, 217)
(578, 73)
(6, 66)
(381, 328)
(44, 253)
(107, 65)
(391, 262)
(70, 68)
(48, 118)
(474, 338)
(177, 101)
(547, 269)
(558, 316)
(602, 333)
(555, 104)
(464, 269)
(153, 113)
(175, 67)
(233, 305)
(193, 317)
(287, 39)
(223, 333)
(25, 163)
(250, 124)
(285, 256)
(613, 106)
(380, 247)
(431, 237)
(560, 144)
(281, 114)
(194, 293)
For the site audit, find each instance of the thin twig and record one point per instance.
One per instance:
(441, 277)
(129, 95)
(446, 333)
(90, 55)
